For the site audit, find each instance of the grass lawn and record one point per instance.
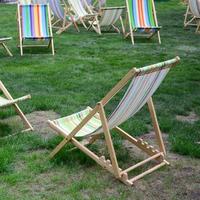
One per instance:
(82, 71)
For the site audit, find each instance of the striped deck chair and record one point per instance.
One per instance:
(84, 13)
(108, 17)
(92, 123)
(7, 100)
(192, 17)
(142, 18)
(61, 19)
(3, 40)
(35, 24)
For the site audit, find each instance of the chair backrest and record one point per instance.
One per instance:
(141, 13)
(35, 21)
(195, 7)
(24, 1)
(110, 16)
(79, 7)
(144, 83)
(57, 9)
(40, 1)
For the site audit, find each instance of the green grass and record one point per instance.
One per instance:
(83, 70)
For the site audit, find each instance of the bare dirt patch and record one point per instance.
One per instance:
(191, 118)
(38, 120)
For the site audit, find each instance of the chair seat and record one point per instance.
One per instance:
(67, 124)
(3, 101)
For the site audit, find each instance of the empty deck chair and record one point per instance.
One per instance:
(61, 20)
(91, 123)
(193, 14)
(108, 17)
(35, 24)
(83, 12)
(190, 19)
(7, 100)
(3, 41)
(142, 18)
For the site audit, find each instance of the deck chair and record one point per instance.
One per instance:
(108, 17)
(142, 18)
(35, 24)
(7, 100)
(91, 123)
(61, 19)
(3, 41)
(192, 16)
(190, 19)
(83, 12)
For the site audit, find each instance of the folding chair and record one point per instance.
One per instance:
(91, 123)
(7, 100)
(108, 17)
(3, 40)
(35, 24)
(83, 13)
(142, 18)
(192, 16)
(62, 20)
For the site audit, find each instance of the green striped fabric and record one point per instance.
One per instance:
(67, 124)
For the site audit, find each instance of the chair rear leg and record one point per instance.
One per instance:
(6, 48)
(159, 39)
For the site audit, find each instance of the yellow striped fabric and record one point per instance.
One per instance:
(67, 124)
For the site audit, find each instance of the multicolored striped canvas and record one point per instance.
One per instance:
(67, 124)
(34, 21)
(141, 14)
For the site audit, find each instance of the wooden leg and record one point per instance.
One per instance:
(6, 48)
(159, 40)
(109, 141)
(52, 47)
(198, 27)
(21, 47)
(186, 17)
(156, 126)
(132, 37)
(122, 24)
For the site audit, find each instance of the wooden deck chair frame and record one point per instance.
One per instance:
(13, 102)
(131, 32)
(98, 27)
(3, 43)
(190, 19)
(91, 16)
(21, 39)
(62, 24)
(112, 164)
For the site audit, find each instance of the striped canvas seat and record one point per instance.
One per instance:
(142, 16)
(34, 21)
(67, 124)
(78, 8)
(195, 7)
(3, 101)
(23, 2)
(110, 15)
(57, 9)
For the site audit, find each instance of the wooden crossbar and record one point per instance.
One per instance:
(142, 163)
(16, 100)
